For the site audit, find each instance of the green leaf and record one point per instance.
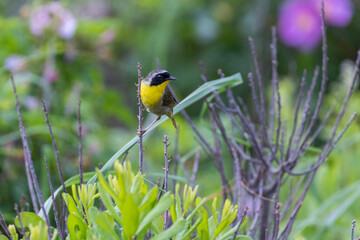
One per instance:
(198, 94)
(130, 215)
(171, 231)
(73, 180)
(102, 223)
(105, 198)
(195, 209)
(243, 237)
(229, 233)
(165, 202)
(203, 228)
(149, 199)
(193, 227)
(157, 225)
(71, 205)
(342, 200)
(108, 189)
(28, 218)
(76, 227)
(2, 237)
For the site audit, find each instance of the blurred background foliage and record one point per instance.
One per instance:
(89, 50)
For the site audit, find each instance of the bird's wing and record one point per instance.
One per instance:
(169, 98)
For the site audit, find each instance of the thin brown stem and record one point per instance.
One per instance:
(141, 150)
(58, 163)
(81, 167)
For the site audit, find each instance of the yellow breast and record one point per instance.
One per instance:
(152, 95)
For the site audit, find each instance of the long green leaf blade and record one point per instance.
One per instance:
(198, 94)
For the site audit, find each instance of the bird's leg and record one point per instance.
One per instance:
(141, 132)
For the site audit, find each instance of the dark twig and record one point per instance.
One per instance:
(166, 170)
(241, 221)
(81, 167)
(237, 173)
(311, 176)
(352, 229)
(323, 80)
(5, 227)
(306, 110)
(27, 153)
(300, 96)
(259, 80)
(326, 150)
(56, 215)
(196, 131)
(28, 159)
(54, 147)
(219, 159)
(22, 229)
(274, 78)
(195, 169)
(346, 99)
(124, 158)
(276, 87)
(290, 199)
(176, 157)
(141, 150)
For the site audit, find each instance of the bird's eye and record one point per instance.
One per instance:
(160, 76)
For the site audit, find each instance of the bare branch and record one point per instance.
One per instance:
(27, 153)
(141, 150)
(260, 81)
(166, 170)
(58, 164)
(56, 215)
(81, 168)
(5, 227)
(352, 229)
(28, 159)
(195, 169)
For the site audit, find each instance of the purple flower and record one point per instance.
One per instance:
(337, 12)
(15, 63)
(299, 24)
(31, 102)
(53, 16)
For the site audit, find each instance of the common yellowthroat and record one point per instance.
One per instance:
(157, 96)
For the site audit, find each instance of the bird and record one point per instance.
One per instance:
(157, 97)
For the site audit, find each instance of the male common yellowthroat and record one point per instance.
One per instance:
(157, 96)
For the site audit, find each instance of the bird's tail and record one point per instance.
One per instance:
(171, 116)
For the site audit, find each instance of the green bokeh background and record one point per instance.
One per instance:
(179, 33)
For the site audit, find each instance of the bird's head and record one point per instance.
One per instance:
(157, 77)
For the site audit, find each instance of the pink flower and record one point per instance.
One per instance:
(299, 24)
(50, 73)
(337, 12)
(107, 36)
(53, 16)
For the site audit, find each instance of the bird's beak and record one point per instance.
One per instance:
(171, 78)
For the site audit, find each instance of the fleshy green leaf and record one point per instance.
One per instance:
(102, 223)
(105, 198)
(171, 231)
(28, 218)
(157, 225)
(130, 215)
(76, 227)
(68, 183)
(164, 203)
